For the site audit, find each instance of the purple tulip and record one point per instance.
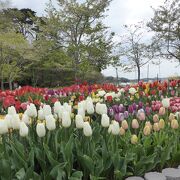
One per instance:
(140, 105)
(126, 114)
(130, 109)
(50, 92)
(119, 117)
(134, 106)
(111, 111)
(115, 108)
(121, 108)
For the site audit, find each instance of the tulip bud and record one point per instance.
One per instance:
(90, 107)
(3, 126)
(161, 123)
(171, 117)
(57, 106)
(87, 130)
(148, 123)
(41, 114)
(147, 130)
(66, 119)
(134, 139)
(105, 120)
(60, 112)
(79, 121)
(166, 102)
(119, 117)
(155, 118)
(15, 121)
(81, 112)
(115, 128)
(101, 108)
(23, 131)
(9, 118)
(156, 127)
(110, 128)
(41, 130)
(174, 124)
(47, 110)
(50, 122)
(121, 131)
(31, 110)
(135, 124)
(11, 110)
(124, 124)
(67, 107)
(141, 116)
(25, 118)
(162, 111)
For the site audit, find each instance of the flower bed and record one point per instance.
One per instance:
(89, 131)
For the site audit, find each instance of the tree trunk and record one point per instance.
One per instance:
(117, 78)
(2, 85)
(10, 85)
(139, 73)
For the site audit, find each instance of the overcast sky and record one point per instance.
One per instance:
(120, 12)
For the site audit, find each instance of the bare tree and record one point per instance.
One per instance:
(135, 48)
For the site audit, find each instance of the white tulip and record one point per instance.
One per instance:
(41, 114)
(50, 122)
(79, 121)
(87, 130)
(55, 116)
(9, 118)
(23, 131)
(31, 110)
(90, 107)
(61, 110)
(81, 112)
(132, 91)
(57, 106)
(11, 110)
(15, 121)
(67, 107)
(101, 93)
(166, 102)
(98, 107)
(47, 110)
(105, 120)
(110, 128)
(115, 128)
(41, 130)
(177, 114)
(3, 127)
(103, 109)
(66, 119)
(25, 118)
(82, 104)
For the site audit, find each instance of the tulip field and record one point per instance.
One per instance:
(89, 131)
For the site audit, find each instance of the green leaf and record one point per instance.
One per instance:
(5, 169)
(50, 156)
(20, 174)
(58, 171)
(87, 163)
(77, 175)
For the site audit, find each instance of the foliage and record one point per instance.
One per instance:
(165, 24)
